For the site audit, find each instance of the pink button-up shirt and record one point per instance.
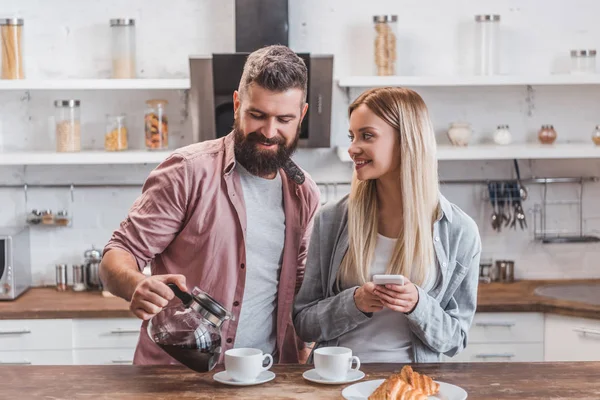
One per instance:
(191, 219)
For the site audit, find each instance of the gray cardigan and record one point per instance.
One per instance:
(441, 320)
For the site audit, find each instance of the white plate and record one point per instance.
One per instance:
(223, 377)
(362, 391)
(353, 376)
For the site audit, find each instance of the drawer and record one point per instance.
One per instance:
(43, 357)
(572, 339)
(507, 328)
(36, 334)
(502, 352)
(106, 333)
(103, 357)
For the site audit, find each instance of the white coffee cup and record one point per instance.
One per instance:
(334, 363)
(245, 364)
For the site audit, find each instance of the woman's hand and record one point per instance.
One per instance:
(399, 298)
(366, 300)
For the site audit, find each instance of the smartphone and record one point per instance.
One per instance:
(388, 279)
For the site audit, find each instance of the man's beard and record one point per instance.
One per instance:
(262, 162)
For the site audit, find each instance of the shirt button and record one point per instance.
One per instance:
(444, 264)
(229, 340)
(437, 238)
(242, 266)
(236, 303)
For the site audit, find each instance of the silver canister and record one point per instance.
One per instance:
(78, 277)
(61, 277)
(505, 270)
(92, 269)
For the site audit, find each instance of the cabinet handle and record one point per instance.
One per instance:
(122, 361)
(494, 355)
(500, 324)
(25, 362)
(18, 332)
(120, 331)
(586, 331)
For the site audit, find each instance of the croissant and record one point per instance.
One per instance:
(394, 388)
(419, 381)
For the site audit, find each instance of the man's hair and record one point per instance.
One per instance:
(275, 68)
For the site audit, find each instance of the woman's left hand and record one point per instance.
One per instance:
(399, 298)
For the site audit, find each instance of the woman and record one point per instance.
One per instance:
(394, 221)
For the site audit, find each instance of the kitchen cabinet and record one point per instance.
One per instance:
(572, 339)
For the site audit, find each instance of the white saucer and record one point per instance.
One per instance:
(353, 376)
(223, 377)
(362, 391)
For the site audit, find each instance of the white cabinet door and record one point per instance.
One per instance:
(106, 333)
(500, 352)
(507, 328)
(38, 357)
(36, 334)
(103, 356)
(572, 339)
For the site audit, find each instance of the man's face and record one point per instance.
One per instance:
(266, 128)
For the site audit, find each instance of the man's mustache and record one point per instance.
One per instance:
(260, 138)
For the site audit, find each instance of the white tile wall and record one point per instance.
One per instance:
(66, 39)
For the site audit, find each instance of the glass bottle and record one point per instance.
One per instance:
(115, 138)
(123, 48)
(12, 48)
(68, 125)
(487, 44)
(156, 125)
(386, 33)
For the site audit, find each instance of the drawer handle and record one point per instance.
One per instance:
(122, 361)
(587, 331)
(494, 355)
(120, 331)
(25, 362)
(499, 324)
(18, 332)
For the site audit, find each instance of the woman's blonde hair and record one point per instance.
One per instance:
(406, 112)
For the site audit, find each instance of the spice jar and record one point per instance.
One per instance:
(123, 48)
(385, 44)
(547, 134)
(115, 138)
(596, 135)
(583, 61)
(487, 44)
(12, 48)
(78, 277)
(156, 125)
(61, 277)
(61, 218)
(47, 217)
(68, 125)
(502, 136)
(34, 217)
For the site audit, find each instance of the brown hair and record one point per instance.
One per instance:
(275, 68)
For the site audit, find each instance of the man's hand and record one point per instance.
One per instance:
(366, 299)
(152, 294)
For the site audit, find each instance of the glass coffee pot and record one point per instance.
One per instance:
(190, 330)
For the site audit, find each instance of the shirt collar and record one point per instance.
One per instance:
(446, 209)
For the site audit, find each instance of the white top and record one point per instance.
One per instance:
(265, 235)
(386, 336)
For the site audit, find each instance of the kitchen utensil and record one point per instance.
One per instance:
(522, 189)
(92, 269)
(189, 328)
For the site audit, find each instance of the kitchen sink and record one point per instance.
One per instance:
(581, 292)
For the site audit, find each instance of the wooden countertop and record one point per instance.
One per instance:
(482, 381)
(46, 303)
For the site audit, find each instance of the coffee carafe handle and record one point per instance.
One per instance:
(185, 297)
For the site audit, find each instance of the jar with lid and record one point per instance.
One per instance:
(93, 257)
(596, 136)
(487, 44)
(115, 138)
(47, 217)
(68, 125)
(459, 133)
(386, 33)
(583, 61)
(34, 217)
(62, 218)
(547, 134)
(12, 48)
(156, 125)
(123, 48)
(502, 135)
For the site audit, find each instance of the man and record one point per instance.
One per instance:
(232, 216)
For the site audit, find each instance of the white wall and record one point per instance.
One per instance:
(66, 39)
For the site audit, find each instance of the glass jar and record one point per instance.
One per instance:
(583, 61)
(68, 125)
(34, 217)
(47, 217)
(61, 218)
(123, 48)
(596, 135)
(156, 125)
(12, 48)
(115, 138)
(386, 32)
(547, 134)
(502, 136)
(487, 44)
(459, 133)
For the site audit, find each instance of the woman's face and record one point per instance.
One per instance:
(374, 145)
